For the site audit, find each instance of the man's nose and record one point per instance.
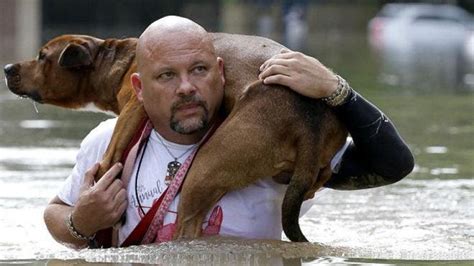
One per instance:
(186, 87)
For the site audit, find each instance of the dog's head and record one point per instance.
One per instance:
(57, 73)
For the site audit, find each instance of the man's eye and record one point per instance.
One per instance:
(200, 69)
(166, 75)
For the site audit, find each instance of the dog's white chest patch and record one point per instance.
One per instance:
(91, 107)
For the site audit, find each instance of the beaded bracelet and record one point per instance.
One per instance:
(339, 96)
(73, 231)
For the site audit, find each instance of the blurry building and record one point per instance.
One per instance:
(119, 18)
(20, 29)
(27, 24)
(310, 26)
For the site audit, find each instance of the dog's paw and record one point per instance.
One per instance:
(188, 230)
(103, 168)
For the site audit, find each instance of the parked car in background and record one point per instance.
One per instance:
(424, 45)
(469, 64)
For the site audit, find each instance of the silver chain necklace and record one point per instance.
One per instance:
(174, 165)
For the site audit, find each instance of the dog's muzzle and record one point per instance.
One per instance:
(10, 70)
(12, 77)
(13, 81)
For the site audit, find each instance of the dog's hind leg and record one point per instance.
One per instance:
(323, 176)
(307, 168)
(128, 122)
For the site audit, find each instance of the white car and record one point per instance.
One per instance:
(423, 41)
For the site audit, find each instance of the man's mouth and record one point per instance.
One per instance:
(189, 108)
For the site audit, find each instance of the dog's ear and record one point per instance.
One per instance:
(75, 55)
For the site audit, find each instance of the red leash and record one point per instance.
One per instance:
(146, 230)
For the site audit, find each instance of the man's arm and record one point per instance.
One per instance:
(99, 206)
(377, 156)
(55, 216)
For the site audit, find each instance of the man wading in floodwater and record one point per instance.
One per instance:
(180, 82)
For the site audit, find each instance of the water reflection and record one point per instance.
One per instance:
(427, 216)
(424, 46)
(424, 69)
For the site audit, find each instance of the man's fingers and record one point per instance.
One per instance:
(275, 70)
(286, 55)
(275, 61)
(121, 203)
(89, 176)
(121, 209)
(279, 79)
(121, 195)
(115, 187)
(282, 59)
(109, 176)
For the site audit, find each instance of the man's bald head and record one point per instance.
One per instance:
(167, 32)
(180, 79)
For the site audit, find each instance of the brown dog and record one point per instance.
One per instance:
(269, 131)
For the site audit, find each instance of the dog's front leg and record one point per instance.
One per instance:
(203, 187)
(223, 164)
(131, 116)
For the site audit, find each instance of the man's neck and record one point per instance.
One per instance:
(178, 138)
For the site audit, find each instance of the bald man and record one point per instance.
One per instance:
(180, 81)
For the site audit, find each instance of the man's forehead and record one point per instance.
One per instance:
(177, 41)
(174, 47)
(168, 46)
(181, 58)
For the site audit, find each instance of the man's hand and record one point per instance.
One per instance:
(302, 73)
(101, 205)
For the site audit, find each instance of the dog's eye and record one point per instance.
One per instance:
(41, 55)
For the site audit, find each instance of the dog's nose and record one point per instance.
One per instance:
(10, 69)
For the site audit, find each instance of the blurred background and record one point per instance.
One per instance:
(402, 36)
(413, 59)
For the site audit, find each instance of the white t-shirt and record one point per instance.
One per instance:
(252, 212)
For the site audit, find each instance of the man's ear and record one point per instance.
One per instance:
(75, 55)
(137, 85)
(220, 64)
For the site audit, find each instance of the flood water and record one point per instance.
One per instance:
(427, 217)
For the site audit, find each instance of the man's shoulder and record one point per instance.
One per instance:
(101, 133)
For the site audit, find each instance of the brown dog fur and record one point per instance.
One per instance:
(270, 130)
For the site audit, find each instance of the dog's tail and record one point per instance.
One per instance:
(303, 178)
